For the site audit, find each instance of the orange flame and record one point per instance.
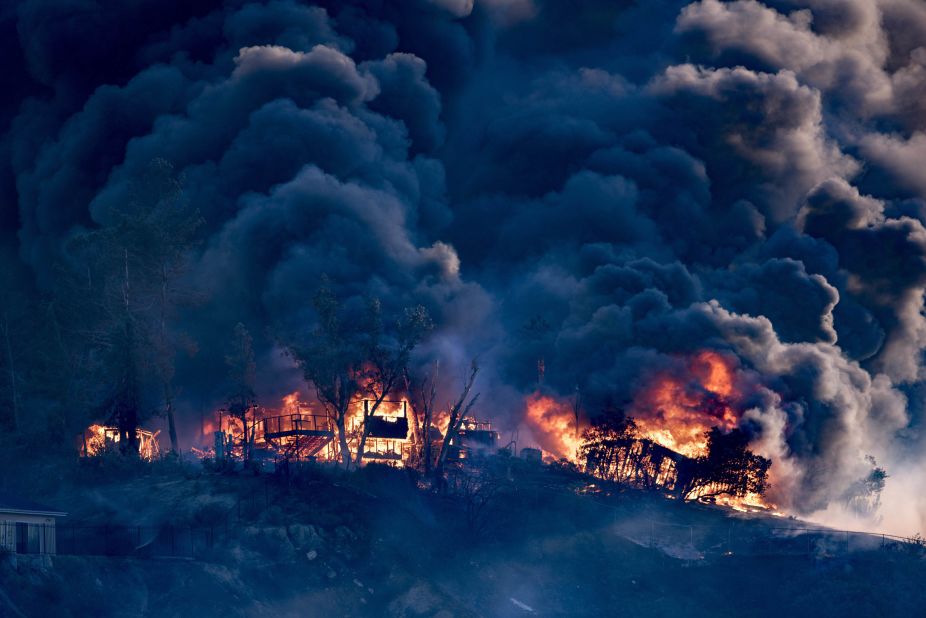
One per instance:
(750, 503)
(98, 439)
(553, 424)
(676, 411)
(310, 415)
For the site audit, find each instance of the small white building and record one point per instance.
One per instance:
(27, 527)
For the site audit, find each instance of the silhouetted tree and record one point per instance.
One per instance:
(386, 357)
(729, 468)
(422, 394)
(332, 361)
(346, 360)
(456, 414)
(169, 233)
(120, 290)
(606, 444)
(864, 495)
(241, 376)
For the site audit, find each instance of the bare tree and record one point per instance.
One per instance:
(480, 490)
(422, 395)
(456, 413)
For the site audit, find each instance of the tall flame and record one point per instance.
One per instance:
(553, 424)
(676, 410)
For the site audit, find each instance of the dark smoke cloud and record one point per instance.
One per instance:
(638, 181)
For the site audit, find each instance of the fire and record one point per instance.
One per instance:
(553, 424)
(676, 411)
(97, 439)
(672, 410)
(291, 403)
(441, 420)
(750, 503)
(299, 430)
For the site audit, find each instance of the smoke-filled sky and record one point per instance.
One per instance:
(612, 186)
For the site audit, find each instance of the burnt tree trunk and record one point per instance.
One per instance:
(172, 426)
(342, 439)
(126, 399)
(167, 363)
(457, 413)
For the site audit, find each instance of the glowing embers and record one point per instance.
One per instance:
(676, 409)
(100, 439)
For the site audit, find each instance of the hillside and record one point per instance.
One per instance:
(372, 543)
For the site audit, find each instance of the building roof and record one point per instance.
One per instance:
(11, 503)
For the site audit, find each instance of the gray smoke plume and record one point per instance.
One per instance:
(638, 181)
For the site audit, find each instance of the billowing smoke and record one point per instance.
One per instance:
(611, 188)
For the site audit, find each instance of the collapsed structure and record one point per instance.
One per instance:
(304, 433)
(99, 439)
(641, 463)
(382, 431)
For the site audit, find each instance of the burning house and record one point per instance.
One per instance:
(99, 439)
(387, 433)
(665, 446)
(680, 435)
(474, 439)
(301, 432)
